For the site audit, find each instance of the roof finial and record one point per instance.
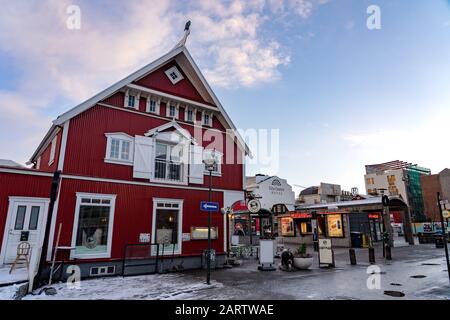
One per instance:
(187, 32)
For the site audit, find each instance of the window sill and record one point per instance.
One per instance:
(124, 163)
(162, 181)
(90, 256)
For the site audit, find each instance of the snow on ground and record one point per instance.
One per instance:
(151, 287)
(19, 274)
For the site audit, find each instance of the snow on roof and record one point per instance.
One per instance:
(10, 163)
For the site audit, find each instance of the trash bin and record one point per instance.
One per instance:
(439, 241)
(356, 238)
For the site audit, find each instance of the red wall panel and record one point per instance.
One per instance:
(134, 211)
(45, 156)
(20, 185)
(86, 145)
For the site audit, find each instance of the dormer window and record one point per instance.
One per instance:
(174, 75)
(172, 109)
(132, 100)
(153, 105)
(207, 119)
(189, 115)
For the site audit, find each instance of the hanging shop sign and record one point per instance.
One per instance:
(254, 206)
(201, 233)
(335, 228)
(287, 227)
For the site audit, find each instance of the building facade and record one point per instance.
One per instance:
(131, 173)
(324, 193)
(398, 178)
(431, 185)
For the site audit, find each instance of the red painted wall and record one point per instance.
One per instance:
(134, 211)
(45, 156)
(86, 146)
(158, 80)
(20, 185)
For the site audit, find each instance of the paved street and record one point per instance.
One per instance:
(419, 272)
(344, 281)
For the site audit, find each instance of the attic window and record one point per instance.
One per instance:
(174, 75)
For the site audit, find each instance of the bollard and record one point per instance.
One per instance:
(371, 255)
(388, 253)
(352, 257)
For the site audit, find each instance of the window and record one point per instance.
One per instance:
(167, 226)
(172, 110)
(174, 75)
(153, 105)
(92, 234)
(132, 100)
(34, 218)
(306, 227)
(52, 151)
(168, 164)
(217, 167)
(20, 217)
(370, 181)
(119, 148)
(189, 115)
(207, 119)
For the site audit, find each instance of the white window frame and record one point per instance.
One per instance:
(194, 114)
(122, 137)
(180, 223)
(184, 162)
(219, 156)
(51, 159)
(157, 104)
(209, 124)
(178, 73)
(137, 97)
(112, 205)
(170, 103)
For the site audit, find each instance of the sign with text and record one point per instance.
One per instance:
(209, 206)
(325, 252)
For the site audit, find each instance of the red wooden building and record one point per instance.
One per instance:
(131, 173)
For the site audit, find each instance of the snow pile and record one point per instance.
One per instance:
(150, 287)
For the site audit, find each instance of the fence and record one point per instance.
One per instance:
(139, 259)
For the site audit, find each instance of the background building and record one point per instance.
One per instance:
(398, 178)
(431, 185)
(324, 193)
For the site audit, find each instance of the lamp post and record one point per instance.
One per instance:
(210, 163)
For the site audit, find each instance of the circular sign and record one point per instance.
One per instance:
(446, 214)
(254, 206)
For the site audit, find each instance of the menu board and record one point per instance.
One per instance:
(335, 228)
(201, 233)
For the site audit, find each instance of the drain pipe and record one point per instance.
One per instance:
(53, 195)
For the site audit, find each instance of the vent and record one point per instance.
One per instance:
(102, 271)
(174, 75)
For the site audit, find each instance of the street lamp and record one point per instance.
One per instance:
(210, 161)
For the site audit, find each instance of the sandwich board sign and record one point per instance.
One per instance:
(326, 255)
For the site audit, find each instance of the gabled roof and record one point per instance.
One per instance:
(185, 60)
(171, 125)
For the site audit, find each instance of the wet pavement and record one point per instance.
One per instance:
(415, 272)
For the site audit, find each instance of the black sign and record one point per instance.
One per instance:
(24, 235)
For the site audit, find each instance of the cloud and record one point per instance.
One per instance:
(60, 68)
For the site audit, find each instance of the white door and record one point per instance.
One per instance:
(25, 224)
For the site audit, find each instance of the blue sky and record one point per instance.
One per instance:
(341, 95)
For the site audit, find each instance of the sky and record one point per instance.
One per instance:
(341, 95)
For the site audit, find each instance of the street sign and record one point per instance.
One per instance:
(209, 206)
(254, 206)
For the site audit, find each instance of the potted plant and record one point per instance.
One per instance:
(302, 260)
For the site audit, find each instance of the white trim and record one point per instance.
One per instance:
(177, 72)
(157, 104)
(63, 146)
(137, 97)
(180, 203)
(51, 235)
(52, 155)
(169, 105)
(121, 137)
(29, 172)
(194, 114)
(80, 195)
(210, 121)
(11, 201)
(169, 96)
(168, 125)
